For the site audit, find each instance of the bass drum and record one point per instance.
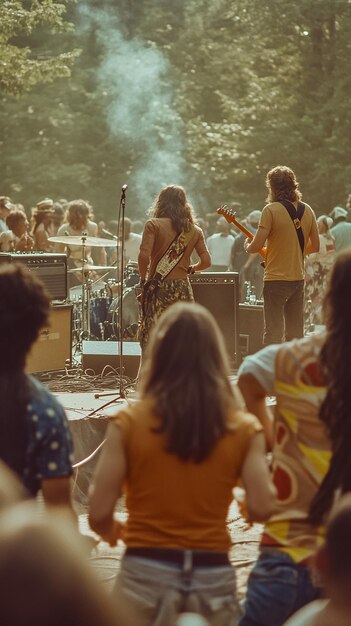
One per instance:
(130, 315)
(99, 307)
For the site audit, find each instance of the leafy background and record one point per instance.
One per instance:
(209, 95)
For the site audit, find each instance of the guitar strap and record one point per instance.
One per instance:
(296, 216)
(168, 261)
(173, 254)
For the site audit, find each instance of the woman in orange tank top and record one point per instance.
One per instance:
(179, 451)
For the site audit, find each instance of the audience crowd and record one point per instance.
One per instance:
(178, 450)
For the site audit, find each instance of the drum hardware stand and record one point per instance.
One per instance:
(85, 334)
(102, 278)
(120, 250)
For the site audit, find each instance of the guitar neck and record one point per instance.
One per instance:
(230, 217)
(244, 230)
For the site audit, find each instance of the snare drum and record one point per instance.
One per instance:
(130, 314)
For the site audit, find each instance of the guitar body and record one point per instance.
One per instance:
(230, 217)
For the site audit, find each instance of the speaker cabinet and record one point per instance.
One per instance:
(250, 328)
(97, 354)
(50, 268)
(219, 293)
(53, 348)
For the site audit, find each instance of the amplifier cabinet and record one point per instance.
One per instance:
(49, 267)
(250, 328)
(53, 348)
(97, 354)
(219, 293)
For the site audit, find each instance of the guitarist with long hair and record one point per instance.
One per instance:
(289, 229)
(168, 240)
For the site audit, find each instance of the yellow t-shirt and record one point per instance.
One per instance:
(284, 260)
(175, 503)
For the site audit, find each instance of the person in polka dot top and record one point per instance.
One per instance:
(35, 440)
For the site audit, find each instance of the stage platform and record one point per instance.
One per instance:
(88, 419)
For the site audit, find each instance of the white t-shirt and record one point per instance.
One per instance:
(262, 366)
(76, 252)
(220, 247)
(7, 241)
(3, 226)
(132, 247)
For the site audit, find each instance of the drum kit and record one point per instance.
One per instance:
(97, 300)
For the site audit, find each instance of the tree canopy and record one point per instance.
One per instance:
(22, 62)
(207, 95)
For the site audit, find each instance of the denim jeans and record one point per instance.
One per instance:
(277, 587)
(283, 310)
(153, 592)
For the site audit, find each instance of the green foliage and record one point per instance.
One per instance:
(206, 94)
(21, 66)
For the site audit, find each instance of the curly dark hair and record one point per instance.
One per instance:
(24, 310)
(335, 412)
(173, 203)
(282, 185)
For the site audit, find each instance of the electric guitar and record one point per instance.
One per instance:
(230, 217)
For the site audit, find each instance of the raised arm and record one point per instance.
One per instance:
(204, 256)
(255, 399)
(146, 246)
(256, 478)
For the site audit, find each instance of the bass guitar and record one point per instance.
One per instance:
(230, 217)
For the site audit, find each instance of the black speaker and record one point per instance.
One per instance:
(49, 267)
(97, 354)
(250, 328)
(219, 293)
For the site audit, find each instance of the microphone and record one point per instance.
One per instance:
(107, 232)
(124, 187)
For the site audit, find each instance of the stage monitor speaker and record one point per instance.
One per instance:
(97, 354)
(250, 328)
(50, 268)
(219, 293)
(53, 348)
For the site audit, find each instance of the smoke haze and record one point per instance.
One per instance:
(139, 107)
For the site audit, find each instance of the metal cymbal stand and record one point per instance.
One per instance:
(85, 333)
(120, 316)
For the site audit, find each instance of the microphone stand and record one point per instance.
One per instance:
(122, 392)
(120, 253)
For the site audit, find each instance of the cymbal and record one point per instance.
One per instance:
(90, 268)
(88, 241)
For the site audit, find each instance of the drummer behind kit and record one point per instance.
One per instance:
(97, 302)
